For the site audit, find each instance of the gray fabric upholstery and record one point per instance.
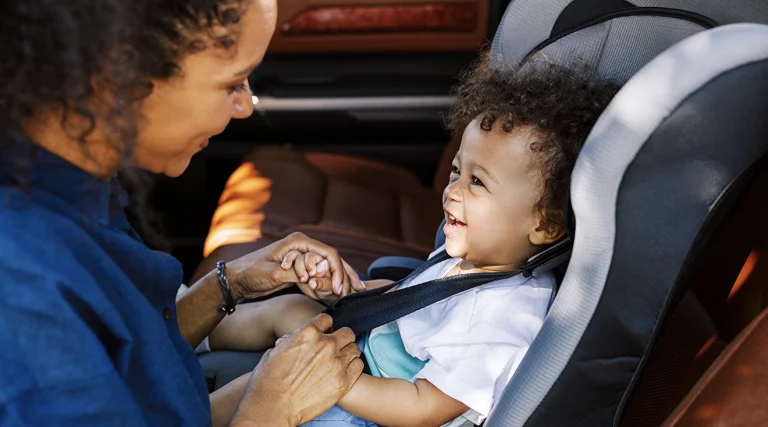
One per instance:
(224, 366)
(646, 100)
(525, 24)
(617, 48)
(724, 12)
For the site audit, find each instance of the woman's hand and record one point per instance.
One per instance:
(314, 276)
(260, 273)
(303, 376)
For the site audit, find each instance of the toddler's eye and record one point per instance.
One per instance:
(454, 170)
(476, 181)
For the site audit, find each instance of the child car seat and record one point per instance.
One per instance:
(367, 209)
(680, 149)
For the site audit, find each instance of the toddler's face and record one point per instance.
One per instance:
(489, 203)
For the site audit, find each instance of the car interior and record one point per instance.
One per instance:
(660, 318)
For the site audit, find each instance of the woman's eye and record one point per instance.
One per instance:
(240, 87)
(476, 181)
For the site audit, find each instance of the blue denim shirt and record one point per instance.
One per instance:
(88, 331)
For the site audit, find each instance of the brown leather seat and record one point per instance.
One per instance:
(365, 209)
(734, 391)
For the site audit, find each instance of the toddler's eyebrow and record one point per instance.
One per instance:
(485, 171)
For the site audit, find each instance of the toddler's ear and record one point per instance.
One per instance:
(545, 235)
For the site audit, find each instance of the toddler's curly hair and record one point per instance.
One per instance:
(561, 102)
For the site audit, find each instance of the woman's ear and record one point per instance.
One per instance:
(545, 234)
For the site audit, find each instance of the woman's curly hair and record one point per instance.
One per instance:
(561, 103)
(80, 56)
(72, 54)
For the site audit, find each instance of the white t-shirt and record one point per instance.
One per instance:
(468, 345)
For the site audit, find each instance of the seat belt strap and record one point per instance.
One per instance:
(367, 310)
(364, 311)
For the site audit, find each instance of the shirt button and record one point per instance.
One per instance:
(167, 313)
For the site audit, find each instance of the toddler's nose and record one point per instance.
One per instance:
(451, 192)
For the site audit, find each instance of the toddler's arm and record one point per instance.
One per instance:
(394, 402)
(256, 326)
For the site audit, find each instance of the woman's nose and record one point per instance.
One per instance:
(243, 104)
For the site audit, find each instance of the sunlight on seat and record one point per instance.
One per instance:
(240, 206)
(244, 230)
(746, 272)
(246, 178)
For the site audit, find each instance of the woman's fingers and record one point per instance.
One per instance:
(343, 277)
(324, 323)
(311, 368)
(343, 337)
(350, 357)
(354, 370)
(302, 243)
(277, 343)
(354, 279)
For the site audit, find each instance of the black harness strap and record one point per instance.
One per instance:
(364, 311)
(367, 310)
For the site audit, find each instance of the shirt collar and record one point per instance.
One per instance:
(30, 167)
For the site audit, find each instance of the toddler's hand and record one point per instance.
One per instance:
(312, 272)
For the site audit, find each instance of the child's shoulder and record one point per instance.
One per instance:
(544, 282)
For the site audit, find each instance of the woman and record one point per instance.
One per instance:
(88, 325)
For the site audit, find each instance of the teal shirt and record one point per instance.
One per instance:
(386, 356)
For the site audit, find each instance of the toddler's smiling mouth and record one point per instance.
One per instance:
(453, 225)
(452, 221)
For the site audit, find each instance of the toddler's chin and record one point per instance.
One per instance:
(454, 249)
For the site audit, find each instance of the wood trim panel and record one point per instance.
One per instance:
(467, 39)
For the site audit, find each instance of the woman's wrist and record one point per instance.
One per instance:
(261, 411)
(241, 285)
(269, 419)
(236, 284)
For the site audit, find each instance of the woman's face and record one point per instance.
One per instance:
(182, 113)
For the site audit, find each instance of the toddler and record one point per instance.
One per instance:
(448, 363)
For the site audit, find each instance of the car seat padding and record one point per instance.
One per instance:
(576, 30)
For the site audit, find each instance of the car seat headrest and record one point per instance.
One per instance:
(615, 37)
(663, 167)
